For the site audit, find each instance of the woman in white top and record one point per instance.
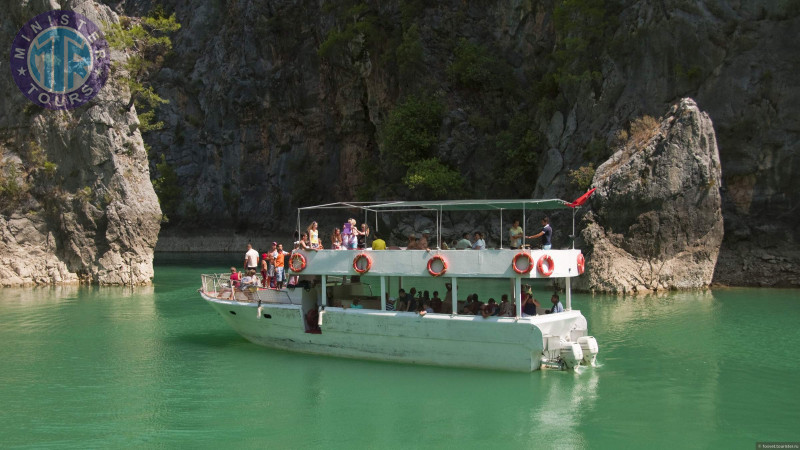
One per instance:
(479, 243)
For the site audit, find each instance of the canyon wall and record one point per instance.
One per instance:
(76, 203)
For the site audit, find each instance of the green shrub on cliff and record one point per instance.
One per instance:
(410, 53)
(430, 179)
(12, 186)
(411, 132)
(474, 67)
(581, 178)
(583, 29)
(147, 43)
(167, 188)
(517, 151)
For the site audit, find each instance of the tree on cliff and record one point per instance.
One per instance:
(147, 43)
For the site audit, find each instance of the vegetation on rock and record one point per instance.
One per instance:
(147, 43)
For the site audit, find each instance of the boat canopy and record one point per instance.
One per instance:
(450, 205)
(440, 206)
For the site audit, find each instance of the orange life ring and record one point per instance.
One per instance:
(430, 268)
(294, 258)
(540, 265)
(530, 263)
(581, 263)
(357, 258)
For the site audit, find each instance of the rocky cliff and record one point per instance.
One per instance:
(76, 202)
(656, 218)
(279, 103)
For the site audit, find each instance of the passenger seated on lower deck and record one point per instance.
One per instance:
(474, 307)
(235, 277)
(505, 308)
(390, 302)
(249, 279)
(436, 302)
(356, 304)
(490, 309)
(402, 301)
(529, 304)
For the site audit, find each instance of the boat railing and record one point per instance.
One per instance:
(219, 285)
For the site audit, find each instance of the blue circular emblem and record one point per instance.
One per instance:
(60, 59)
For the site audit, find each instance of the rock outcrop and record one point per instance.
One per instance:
(77, 203)
(656, 219)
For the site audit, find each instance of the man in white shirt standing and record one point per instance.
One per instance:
(250, 259)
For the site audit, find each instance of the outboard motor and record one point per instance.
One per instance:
(590, 348)
(571, 354)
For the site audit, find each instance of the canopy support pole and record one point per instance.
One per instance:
(455, 295)
(501, 228)
(524, 222)
(324, 290)
(518, 295)
(569, 294)
(383, 292)
(441, 222)
(573, 229)
(298, 224)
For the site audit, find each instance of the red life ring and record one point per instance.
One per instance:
(530, 263)
(294, 258)
(430, 268)
(581, 263)
(357, 258)
(540, 265)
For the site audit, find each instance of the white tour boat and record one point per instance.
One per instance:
(303, 319)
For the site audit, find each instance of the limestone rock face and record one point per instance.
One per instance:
(84, 208)
(656, 220)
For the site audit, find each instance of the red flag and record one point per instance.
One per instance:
(582, 199)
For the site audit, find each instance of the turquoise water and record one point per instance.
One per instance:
(156, 367)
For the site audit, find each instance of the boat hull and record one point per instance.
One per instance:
(434, 339)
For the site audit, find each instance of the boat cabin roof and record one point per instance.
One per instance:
(451, 205)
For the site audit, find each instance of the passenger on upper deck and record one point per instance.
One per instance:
(362, 236)
(479, 244)
(313, 236)
(464, 243)
(515, 235)
(336, 239)
(423, 242)
(352, 242)
(378, 243)
(304, 245)
(545, 234)
(412, 242)
(557, 306)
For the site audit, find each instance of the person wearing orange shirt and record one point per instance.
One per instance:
(279, 267)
